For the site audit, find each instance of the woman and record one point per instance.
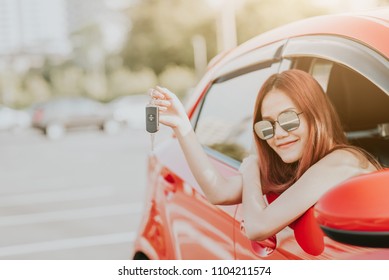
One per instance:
(301, 153)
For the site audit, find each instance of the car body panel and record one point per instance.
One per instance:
(181, 200)
(356, 215)
(129, 109)
(57, 115)
(13, 119)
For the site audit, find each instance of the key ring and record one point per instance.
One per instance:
(152, 100)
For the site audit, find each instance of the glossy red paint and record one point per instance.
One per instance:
(359, 204)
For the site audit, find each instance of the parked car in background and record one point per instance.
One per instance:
(11, 119)
(129, 110)
(348, 55)
(56, 116)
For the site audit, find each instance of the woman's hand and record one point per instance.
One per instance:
(172, 112)
(217, 188)
(250, 171)
(253, 203)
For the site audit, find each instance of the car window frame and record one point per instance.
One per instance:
(352, 54)
(231, 75)
(227, 75)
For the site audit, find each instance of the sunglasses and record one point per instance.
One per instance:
(288, 120)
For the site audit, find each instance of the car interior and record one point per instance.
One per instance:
(363, 109)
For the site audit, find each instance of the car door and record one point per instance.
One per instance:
(355, 78)
(85, 112)
(190, 227)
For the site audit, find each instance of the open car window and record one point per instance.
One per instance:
(224, 124)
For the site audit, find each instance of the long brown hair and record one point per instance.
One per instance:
(325, 130)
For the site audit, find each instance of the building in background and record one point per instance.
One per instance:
(33, 27)
(84, 31)
(30, 29)
(95, 30)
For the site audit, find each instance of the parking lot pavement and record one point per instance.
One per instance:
(79, 197)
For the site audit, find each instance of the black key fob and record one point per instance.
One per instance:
(152, 118)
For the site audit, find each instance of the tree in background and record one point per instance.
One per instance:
(159, 50)
(383, 2)
(123, 81)
(162, 33)
(256, 17)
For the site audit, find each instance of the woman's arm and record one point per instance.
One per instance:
(218, 189)
(262, 221)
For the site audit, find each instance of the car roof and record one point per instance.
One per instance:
(369, 28)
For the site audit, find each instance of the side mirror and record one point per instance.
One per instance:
(357, 211)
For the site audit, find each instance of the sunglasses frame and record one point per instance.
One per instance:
(273, 124)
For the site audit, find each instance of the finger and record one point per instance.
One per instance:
(155, 94)
(162, 103)
(162, 109)
(252, 157)
(167, 93)
(243, 164)
(167, 120)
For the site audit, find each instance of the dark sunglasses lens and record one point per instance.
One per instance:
(264, 130)
(289, 121)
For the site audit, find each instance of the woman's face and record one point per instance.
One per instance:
(288, 145)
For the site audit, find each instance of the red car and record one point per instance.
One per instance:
(348, 55)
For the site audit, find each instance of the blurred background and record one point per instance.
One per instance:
(76, 71)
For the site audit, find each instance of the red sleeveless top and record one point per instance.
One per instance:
(306, 230)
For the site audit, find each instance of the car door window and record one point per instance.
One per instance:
(224, 124)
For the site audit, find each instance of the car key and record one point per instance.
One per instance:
(152, 121)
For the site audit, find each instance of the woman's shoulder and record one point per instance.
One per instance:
(344, 155)
(348, 157)
(337, 166)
